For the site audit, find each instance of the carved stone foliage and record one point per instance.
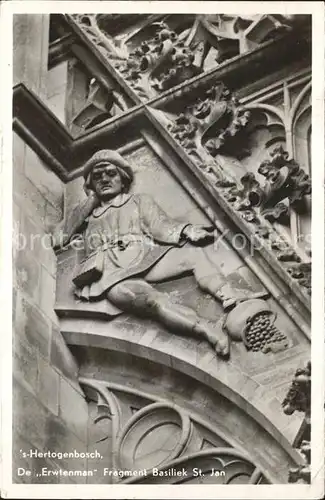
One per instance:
(215, 131)
(155, 53)
(298, 399)
(214, 123)
(298, 396)
(153, 441)
(285, 187)
(284, 180)
(302, 473)
(302, 273)
(159, 63)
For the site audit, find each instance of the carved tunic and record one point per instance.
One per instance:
(123, 239)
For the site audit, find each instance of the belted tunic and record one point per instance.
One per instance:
(123, 239)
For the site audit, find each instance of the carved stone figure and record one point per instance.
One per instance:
(130, 244)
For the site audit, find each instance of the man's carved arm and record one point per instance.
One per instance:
(165, 229)
(70, 225)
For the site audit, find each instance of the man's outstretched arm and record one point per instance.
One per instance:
(166, 229)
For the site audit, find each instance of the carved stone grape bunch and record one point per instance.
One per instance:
(252, 322)
(262, 335)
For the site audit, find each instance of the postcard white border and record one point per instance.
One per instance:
(300, 491)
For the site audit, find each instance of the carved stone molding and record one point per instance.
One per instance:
(135, 437)
(149, 434)
(220, 466)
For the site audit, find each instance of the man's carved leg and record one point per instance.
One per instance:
(206, 272)
(141, 299)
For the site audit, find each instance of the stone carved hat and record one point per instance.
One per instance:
(112, 157)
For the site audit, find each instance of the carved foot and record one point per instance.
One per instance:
(222, 348)
(217, 339)
(229, 304)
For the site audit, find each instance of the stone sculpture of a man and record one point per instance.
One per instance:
(131, 244)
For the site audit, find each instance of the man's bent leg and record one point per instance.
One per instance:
(141, 299)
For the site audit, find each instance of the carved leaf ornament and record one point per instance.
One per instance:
(216, 124)
(155, 56)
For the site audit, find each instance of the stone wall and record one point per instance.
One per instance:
(30, 49)
(45, 386)
(56, 85)
(49, 408)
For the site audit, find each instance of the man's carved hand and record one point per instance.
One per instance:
(197, 234)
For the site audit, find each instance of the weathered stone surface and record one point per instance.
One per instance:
(75, 420)
(57, 79)
(73, 194)
(16, 224)
(20, 452)
(33, 233)
(25, 364)
(52, 217)
(29, 415)
(28, 196)
(30, 50)
(61, 357)
(33, 327)
(47, 183)
(48, 386)
(28, 273)
(18, 152)
(60, 439)
(47, 297)
(38, 241)
(152, 177)
(56, 104)
(280, 374)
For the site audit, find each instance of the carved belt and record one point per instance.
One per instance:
(121, 244)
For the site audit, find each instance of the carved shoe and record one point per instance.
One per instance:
(222, 348)
(228, 304)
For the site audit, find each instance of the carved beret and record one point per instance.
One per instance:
(109, 156)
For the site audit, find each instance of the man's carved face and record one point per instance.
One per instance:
(106, 181)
